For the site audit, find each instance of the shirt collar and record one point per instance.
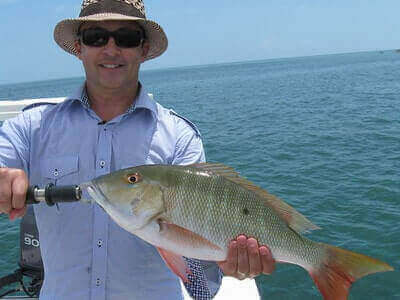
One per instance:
(143, 100)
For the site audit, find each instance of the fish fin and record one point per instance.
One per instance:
(176, 263)
(292, 217)
(340, 269)
(185, 237)
(216, 168)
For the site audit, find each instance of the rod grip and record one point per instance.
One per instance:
(63, 193)
(53, 194)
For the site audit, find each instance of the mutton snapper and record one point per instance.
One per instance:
(195, 211)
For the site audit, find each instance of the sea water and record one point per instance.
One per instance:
(321, 132)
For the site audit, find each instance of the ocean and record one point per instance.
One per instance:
(321, 132)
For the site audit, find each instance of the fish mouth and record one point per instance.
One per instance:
(96, 193)
(90, 188)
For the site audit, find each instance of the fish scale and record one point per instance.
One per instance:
(202, 202)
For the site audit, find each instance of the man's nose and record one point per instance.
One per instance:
(111, 48)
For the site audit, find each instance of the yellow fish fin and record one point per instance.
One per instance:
(292, 217)
(340, 268)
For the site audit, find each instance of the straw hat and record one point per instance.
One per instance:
(65, 32)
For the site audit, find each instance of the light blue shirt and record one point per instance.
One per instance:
(85, 254)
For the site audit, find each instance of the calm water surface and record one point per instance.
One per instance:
(322, 133)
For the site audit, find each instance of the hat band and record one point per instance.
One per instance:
(108, 6)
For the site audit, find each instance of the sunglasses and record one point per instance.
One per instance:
(123, 37)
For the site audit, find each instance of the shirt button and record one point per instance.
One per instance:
(102, 163)
(98, 281)
(99, 243)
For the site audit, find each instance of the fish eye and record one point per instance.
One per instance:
(134, 178)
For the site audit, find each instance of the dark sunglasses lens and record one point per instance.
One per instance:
(124, 37)
(95, 37)
(127, 38)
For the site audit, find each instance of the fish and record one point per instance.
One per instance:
(196, 210)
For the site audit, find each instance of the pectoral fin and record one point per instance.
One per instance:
(176, 263)
(186, 238)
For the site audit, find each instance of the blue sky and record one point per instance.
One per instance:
(204, 32)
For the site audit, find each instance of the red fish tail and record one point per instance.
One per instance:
(340, 269)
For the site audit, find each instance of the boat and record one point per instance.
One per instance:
(30, 266)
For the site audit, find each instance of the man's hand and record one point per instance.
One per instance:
(13, 187)
(246, 259)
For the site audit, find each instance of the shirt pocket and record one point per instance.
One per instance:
(61, 170)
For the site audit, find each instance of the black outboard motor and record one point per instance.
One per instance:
(30, 258)
(30, 263)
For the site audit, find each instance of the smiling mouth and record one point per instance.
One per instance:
(110, 66)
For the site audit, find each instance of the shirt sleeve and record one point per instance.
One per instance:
(15, 143)
(206, 277)
(189, 146)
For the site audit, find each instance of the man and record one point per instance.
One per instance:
(109, 124)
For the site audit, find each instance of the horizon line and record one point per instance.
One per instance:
(205, 65)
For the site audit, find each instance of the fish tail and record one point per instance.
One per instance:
(340, 269)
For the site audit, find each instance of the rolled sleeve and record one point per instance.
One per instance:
(214, 276)
(189, 147)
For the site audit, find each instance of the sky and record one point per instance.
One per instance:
(204, 32)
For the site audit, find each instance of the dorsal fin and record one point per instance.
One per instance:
(292, 217)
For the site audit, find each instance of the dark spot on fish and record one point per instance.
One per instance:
(246, 211)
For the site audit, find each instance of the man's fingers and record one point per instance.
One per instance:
(5, 191)
(17, 213)
(19, 188)
(254, 257)
(229, 266)
(5, 203)
(246, 259)
(13, 186)
(267, 261)
(242, 258)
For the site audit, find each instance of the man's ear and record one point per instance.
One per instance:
(78, 48)
(145, 50)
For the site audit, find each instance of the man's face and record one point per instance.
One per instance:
(111, 67)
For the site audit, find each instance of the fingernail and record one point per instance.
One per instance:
(263, 251)
(252, 241)
(242, 243)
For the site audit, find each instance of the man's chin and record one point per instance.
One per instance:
(112, 84)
